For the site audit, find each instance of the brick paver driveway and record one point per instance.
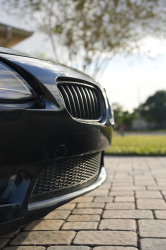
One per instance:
(128, 212)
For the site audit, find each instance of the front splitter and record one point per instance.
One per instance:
(65, 198)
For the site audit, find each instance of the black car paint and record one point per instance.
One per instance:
(33, 137)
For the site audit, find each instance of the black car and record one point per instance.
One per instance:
(55, 123)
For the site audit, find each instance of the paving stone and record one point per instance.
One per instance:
(114, 248)
(124, 199)
(44, 238)
(123, 176)
(128, 214)
(107, 182)
(161, 183)
(126, 180)
(91, 205)
(26, 248)
(152, 244)
(68, 206)
(9, 236)
(121, 193)
(160, 214)
(145, 183)
(159, 175)
(101, 192)
(68, 248)
(85, 217)
(58, 214)
(109, 178)
(118, 224)
(148, 194)
(119, 215)
(152, 228)
(150, 204)
(118, 184)
(160, 179)
(3, 243)
(44, 225)
(110, 171)
(87, 211)
(80, 225)
(132, 188)
(163, 179)
(145, 178)
(156, 188)
(105, 238)
(83, 199)
(105, 185)
(121, 205)
(103, 199)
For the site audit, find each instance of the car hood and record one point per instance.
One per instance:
(43, 68)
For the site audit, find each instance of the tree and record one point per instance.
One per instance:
(118, 113)
(128, 118)
(91, 32)
(122, 117)
(154, 109)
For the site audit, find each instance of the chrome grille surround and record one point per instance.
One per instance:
(83, 101)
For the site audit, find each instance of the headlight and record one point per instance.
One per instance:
(13, 86)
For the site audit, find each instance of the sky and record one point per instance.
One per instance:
(128, 80)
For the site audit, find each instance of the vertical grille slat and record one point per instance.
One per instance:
(77, 103)
(96, 103)
(65, 96)
(74, 109)
(93, 103)
(83, 101)
(89, 102)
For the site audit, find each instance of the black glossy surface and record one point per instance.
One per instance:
(65, 176)
(33, 134)
(10, 226)
(36, 135)
(40, 209)
(82, 100)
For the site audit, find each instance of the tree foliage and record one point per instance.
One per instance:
(91, 32)
(154, 109)
(122, 117)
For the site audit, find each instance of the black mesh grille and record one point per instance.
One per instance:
(82, 100)
(66, 176)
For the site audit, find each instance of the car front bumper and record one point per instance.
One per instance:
(39, 133)
(40, 209)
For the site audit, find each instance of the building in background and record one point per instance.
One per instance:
(140, 124)
(9, 36)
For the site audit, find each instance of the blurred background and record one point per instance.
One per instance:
(121, 43)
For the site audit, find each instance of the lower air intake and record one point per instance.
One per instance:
(66, 176)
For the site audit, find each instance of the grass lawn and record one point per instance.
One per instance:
(138, 145)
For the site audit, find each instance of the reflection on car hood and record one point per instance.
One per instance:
(55, 66)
